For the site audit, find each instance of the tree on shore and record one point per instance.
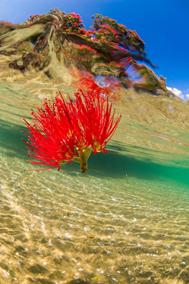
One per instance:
(49, 42)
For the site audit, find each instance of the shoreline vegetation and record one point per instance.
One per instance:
(57, 47)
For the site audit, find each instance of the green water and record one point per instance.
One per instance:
(125, 221)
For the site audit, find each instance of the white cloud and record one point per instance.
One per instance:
(186, 96)
(176, 91)
(179, 93)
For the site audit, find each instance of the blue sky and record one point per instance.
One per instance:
(162, 24)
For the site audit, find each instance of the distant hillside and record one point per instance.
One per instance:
(57, 47)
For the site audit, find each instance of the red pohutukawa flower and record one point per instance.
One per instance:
(65, 131)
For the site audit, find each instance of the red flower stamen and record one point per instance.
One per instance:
(66, 131)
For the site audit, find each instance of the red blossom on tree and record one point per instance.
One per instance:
(65, 131)
(44, 42)
(111, 85)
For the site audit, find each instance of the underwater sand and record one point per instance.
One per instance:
(125, 221)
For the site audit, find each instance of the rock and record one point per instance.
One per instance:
(37, 269)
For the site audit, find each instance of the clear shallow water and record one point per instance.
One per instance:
(125, 221)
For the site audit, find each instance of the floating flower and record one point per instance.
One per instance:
(65, 131)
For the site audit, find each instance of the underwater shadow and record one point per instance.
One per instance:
(11, 139)
(117, 163)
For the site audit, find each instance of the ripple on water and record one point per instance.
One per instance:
(79, 232)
